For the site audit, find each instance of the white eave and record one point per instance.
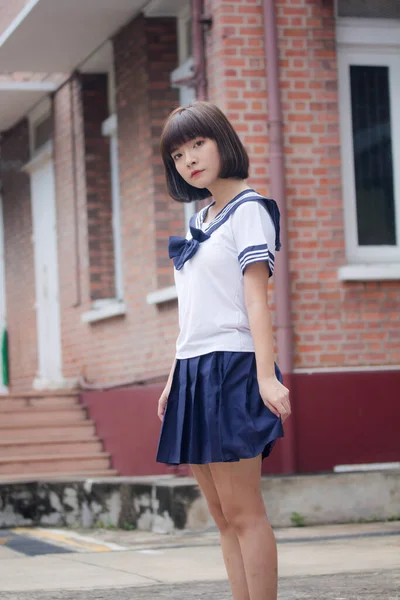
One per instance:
(17, 99)
(55, 36)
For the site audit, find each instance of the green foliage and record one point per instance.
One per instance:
(297, 519)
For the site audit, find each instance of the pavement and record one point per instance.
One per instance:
(337, 562)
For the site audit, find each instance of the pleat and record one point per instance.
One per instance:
(265, 427)
(194, 425)
(214, 409)
(198, 445)
(215, 412)
(184, 426)
(172, 426)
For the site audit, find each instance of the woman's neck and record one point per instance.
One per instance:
(223, 190)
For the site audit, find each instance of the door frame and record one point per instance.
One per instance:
(41, 158)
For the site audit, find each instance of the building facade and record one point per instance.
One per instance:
(87, 294)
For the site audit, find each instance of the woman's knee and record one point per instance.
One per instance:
(241, 519)
(218, 516)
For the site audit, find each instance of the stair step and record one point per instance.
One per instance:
(70, 463)
(49, 476)
(7, 404)
(38, 416)
(48, 436)
(47, 447)
(48, 431)
(45, 394)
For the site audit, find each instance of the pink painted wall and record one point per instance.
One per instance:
(338, 418)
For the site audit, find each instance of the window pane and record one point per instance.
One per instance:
(43, 132)
(373, 163)
(372, 9)
(189, 41)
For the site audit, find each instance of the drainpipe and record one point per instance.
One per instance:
(284, 326)
(74, 81)
(199, 52)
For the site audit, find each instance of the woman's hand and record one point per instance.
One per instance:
(162, 403)
(275, 397)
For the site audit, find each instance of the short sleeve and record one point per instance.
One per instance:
(254, 234)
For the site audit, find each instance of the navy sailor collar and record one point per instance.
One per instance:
(182, 249)
(197, 220)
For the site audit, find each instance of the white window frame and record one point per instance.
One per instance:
(369, 42)
(3, 309)
(36, 116)
(184, 21)
(110, 129)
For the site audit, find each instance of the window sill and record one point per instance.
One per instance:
(102, 310)
(163, 295)
(369, 272)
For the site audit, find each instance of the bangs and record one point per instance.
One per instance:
(205, 120)
(184, 125)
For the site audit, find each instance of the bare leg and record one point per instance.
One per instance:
(239, 488)
(229, 540)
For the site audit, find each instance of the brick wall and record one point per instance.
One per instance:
(94, 89)
(142, 102)
(19, 262)
(336, 324)
(140, 345)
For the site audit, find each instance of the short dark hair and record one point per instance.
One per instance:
(201, 119)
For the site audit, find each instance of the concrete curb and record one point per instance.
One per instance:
(166, 503)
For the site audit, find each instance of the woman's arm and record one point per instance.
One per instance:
(170, 376)
(162, 402)
(274, 394)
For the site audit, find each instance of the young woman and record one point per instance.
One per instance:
(223, 406)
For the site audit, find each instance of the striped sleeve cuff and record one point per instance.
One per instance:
(253, 254)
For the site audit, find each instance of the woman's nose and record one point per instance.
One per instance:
(190, 160)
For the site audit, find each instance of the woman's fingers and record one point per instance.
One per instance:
(161, 407)
(281, 408)
(273, 409)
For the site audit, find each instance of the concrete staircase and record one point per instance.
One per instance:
(48, 435)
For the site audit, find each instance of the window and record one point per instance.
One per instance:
(369, 84)
(372, 155)
(102, 182)
(42, 132)
(369, 9)
(40, 127)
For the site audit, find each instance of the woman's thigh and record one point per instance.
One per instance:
(238, 485)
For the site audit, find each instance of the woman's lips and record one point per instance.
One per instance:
(196, 173)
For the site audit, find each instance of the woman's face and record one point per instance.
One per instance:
(198, 162)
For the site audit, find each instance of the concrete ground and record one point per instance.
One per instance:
(342, 562)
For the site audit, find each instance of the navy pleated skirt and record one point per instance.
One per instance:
(215, 412)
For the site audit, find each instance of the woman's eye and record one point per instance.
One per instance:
(176, 156)
(199, 142)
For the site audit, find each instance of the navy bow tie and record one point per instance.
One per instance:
(180, 249)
